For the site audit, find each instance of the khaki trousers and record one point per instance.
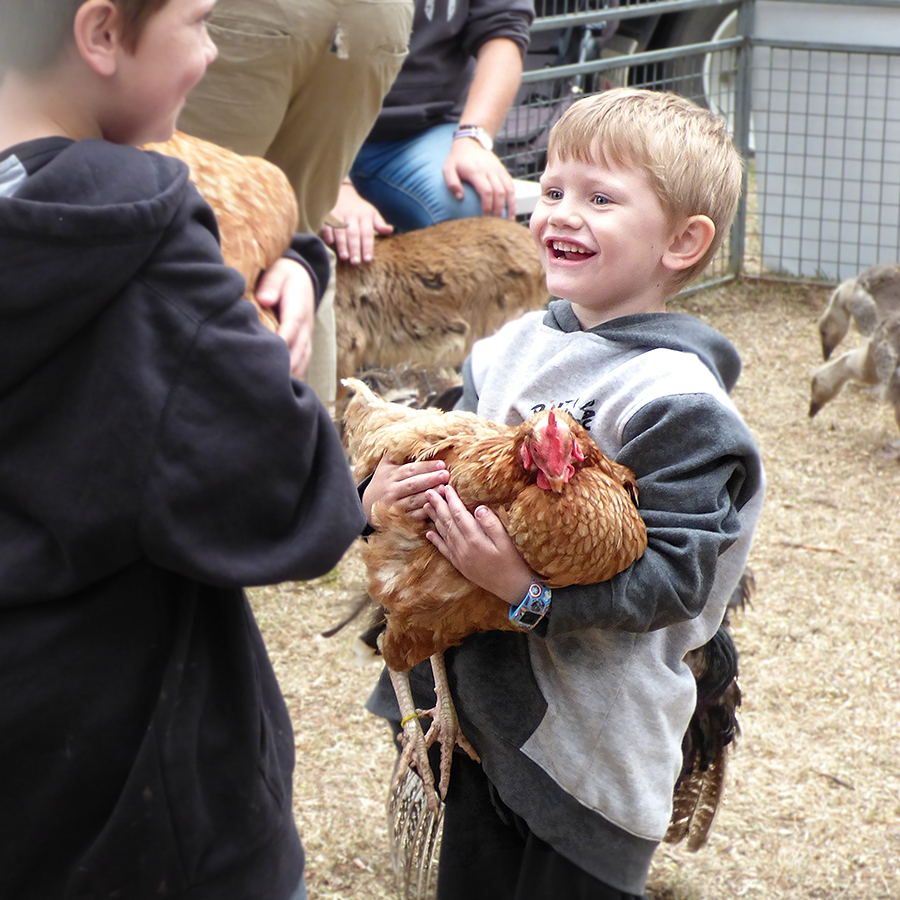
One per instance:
(301, 82)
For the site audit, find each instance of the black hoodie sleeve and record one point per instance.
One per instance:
(247, 482)
(310, 252)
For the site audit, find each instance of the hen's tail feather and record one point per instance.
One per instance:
(712, 729)
(414, 833)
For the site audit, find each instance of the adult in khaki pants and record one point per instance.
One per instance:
(300, 82)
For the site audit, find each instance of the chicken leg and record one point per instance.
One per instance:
(444, 729)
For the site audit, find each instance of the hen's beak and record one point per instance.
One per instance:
(556, 483)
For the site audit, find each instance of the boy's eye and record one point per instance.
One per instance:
(599, 200)
(553, 194)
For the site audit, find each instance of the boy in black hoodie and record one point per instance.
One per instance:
(155, 458)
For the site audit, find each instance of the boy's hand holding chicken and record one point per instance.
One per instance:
(477, 545)
(403, 486)
(286, 289)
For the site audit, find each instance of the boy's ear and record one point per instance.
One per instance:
(97, 35)
(690, 241)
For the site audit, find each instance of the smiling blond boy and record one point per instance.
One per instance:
(579, 718)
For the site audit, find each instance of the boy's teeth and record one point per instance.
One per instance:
(564, 247)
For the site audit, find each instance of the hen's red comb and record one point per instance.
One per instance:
(554, 450)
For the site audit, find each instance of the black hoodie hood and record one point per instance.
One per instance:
(62, 263)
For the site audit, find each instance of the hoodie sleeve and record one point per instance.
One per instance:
(247, 482)
(489, 19)
(697, 467)
(310, 252)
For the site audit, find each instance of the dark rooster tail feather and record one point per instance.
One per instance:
(745, 589)
(713, 727)
(377, 621)
(370, 637)
(362, 602)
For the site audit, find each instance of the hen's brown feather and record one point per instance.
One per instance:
(254, 204)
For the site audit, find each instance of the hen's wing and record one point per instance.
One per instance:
(254, 204)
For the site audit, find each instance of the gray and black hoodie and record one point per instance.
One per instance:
(579, 724)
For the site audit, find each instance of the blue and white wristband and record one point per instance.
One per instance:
(533, 608)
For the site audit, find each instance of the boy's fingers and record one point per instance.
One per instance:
(420, 484)
(438, 542)
(491, 526)
(458, 509)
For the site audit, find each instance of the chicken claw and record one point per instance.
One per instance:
(444, 729)
(412, 739)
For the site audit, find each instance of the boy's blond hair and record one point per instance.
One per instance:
(33, 32)
(686, 151)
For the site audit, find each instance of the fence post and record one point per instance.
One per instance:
(738, 239)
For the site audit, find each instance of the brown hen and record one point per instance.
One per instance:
(571, 511)
(254, 205)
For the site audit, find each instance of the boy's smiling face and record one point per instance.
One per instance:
(602, 234)
(153, 82)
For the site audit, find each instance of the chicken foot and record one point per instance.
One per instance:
(444, 729)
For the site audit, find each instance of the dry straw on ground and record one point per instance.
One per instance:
(812, 807)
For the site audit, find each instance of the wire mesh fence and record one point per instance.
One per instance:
(828, 159)
(811, 91)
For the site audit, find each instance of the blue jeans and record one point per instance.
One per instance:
(405, 182)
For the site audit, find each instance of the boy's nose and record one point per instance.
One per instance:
(564, 213)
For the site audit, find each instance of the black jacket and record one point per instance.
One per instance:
(431, 86)
(155, 458)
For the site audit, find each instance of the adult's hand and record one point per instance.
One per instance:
(469, 161)
(498, 73)
(360, 221)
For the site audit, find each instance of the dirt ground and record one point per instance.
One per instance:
(812, 806)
